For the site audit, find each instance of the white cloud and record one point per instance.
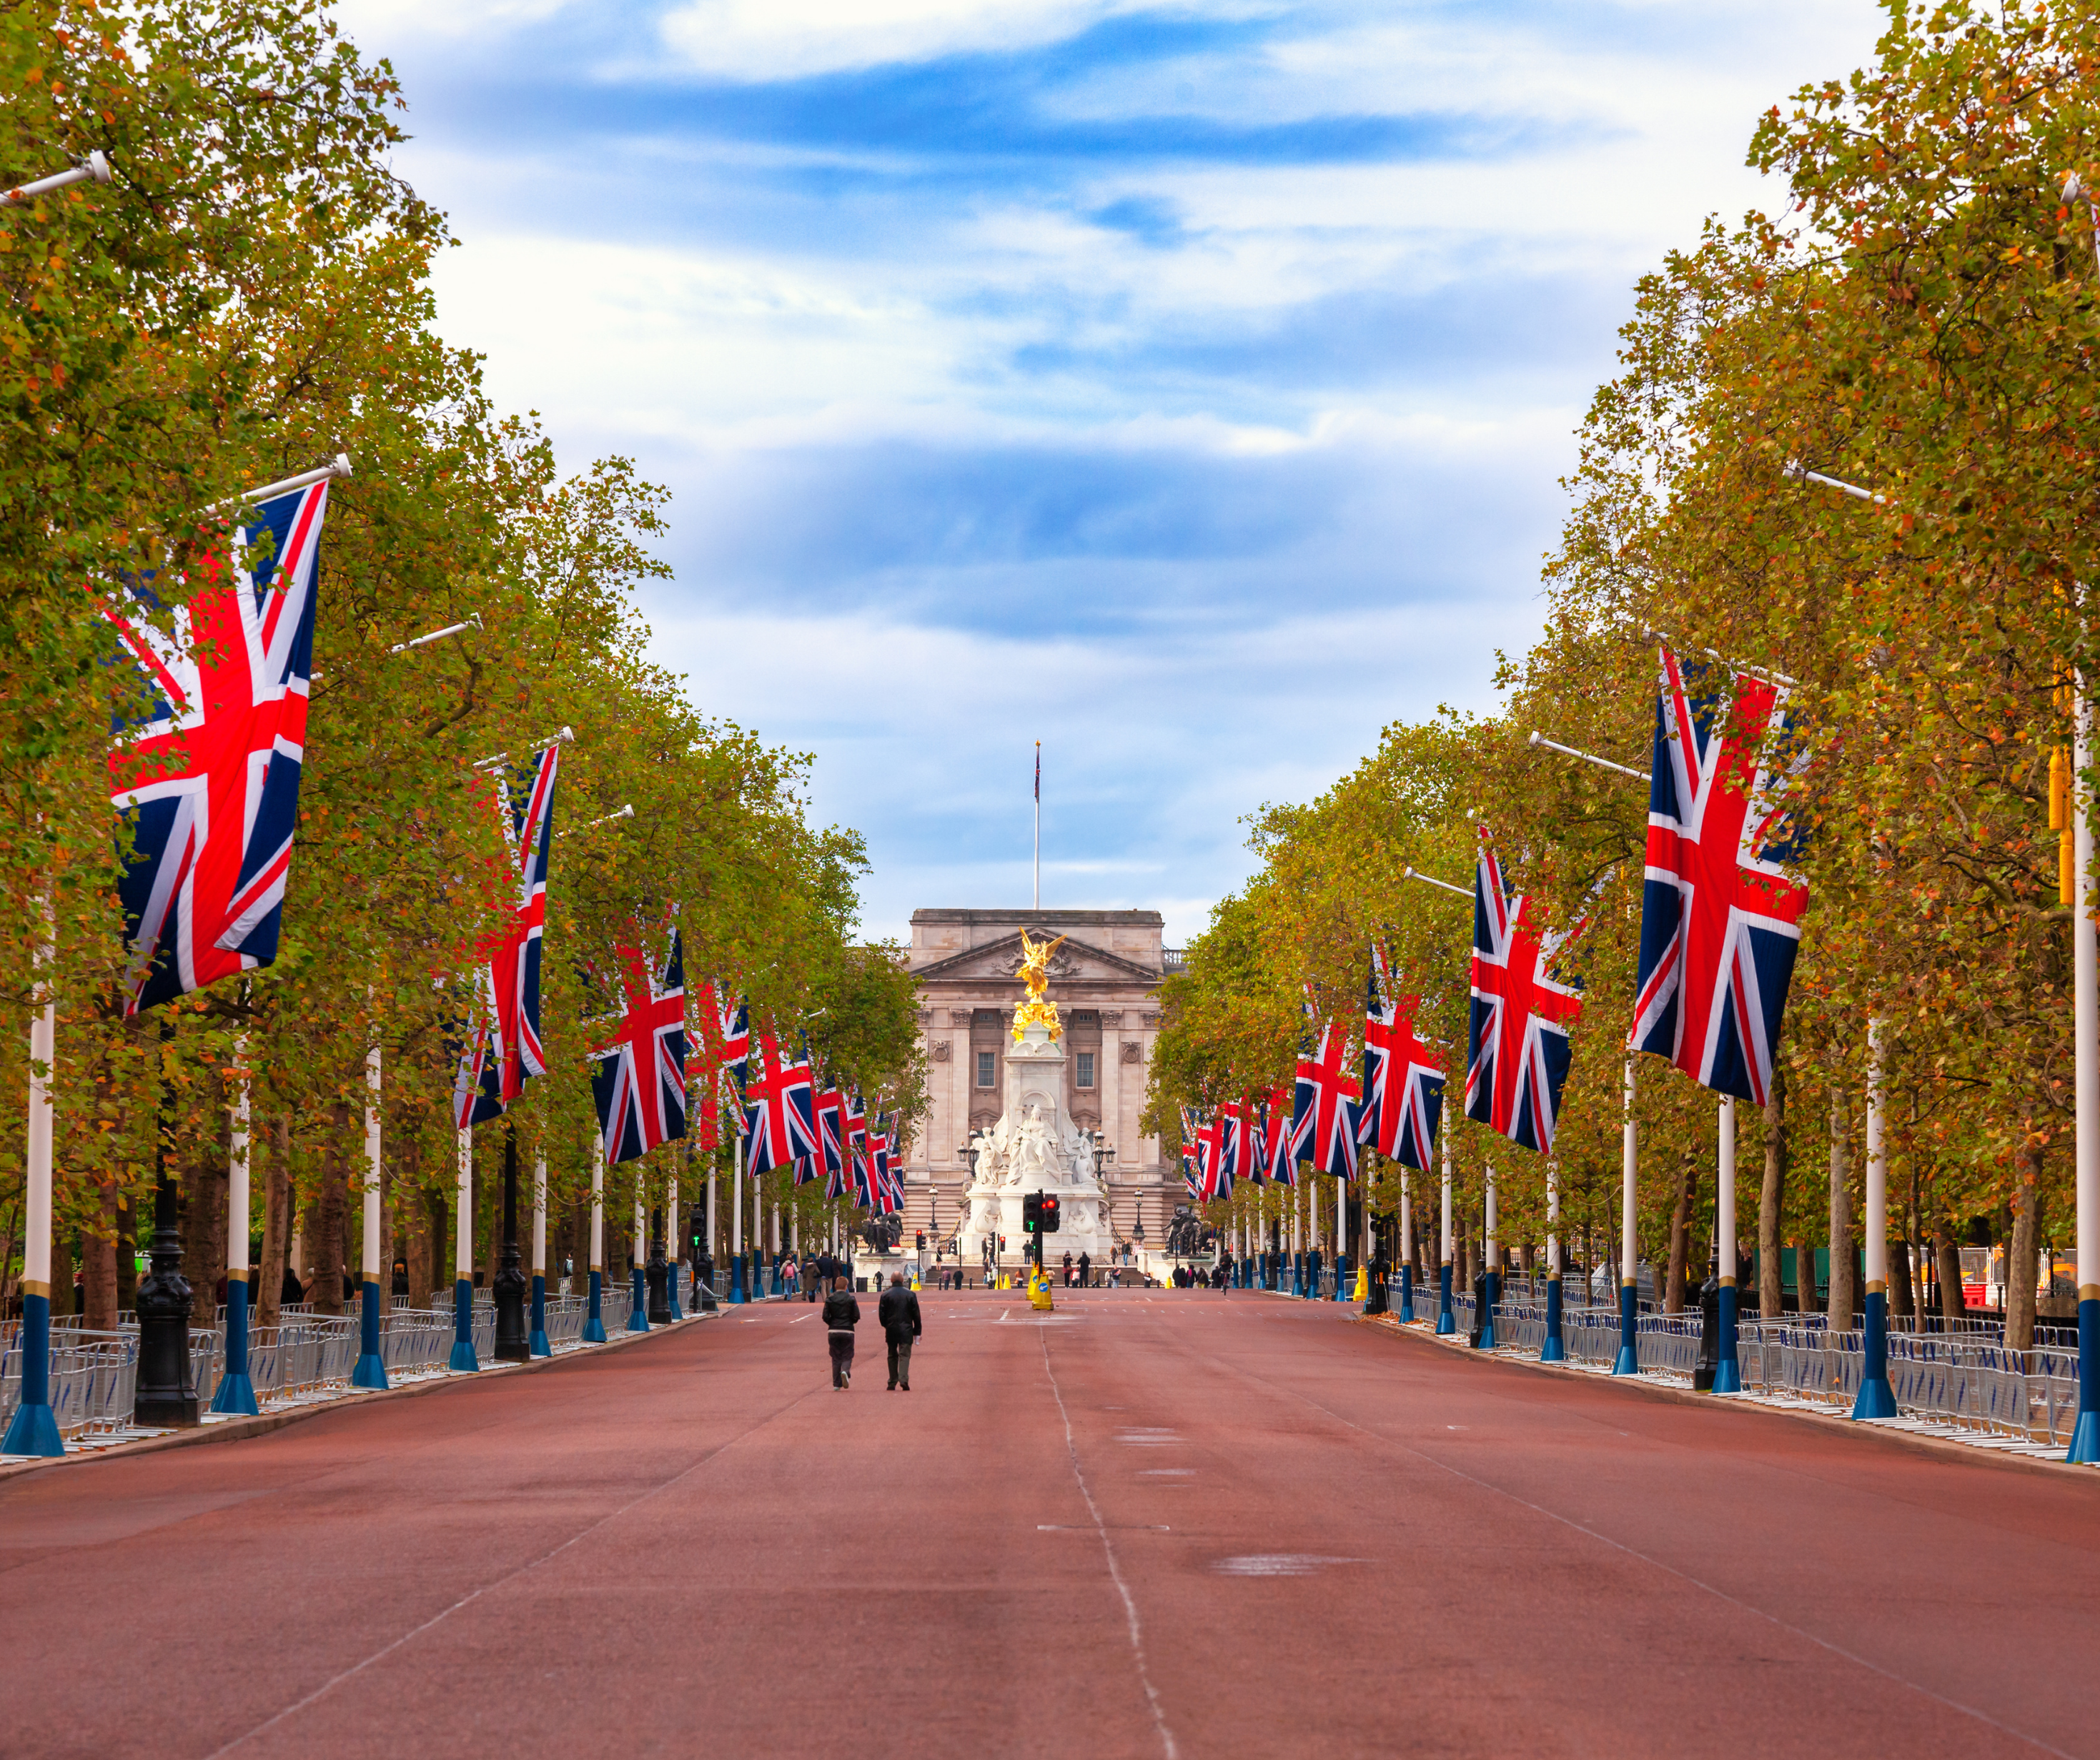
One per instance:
(778, 39)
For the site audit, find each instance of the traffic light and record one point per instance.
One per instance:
(922, 1240)
(1031, 1213)
(1049, 1204)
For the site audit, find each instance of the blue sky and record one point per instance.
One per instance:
(1187, 387)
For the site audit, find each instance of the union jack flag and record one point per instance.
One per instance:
(1231, 1145)
(1403, 1079)
(639, 1080)
(1517, 1037)
(853, 1148)
(209, 778)
(1276, 1161)
(1720, 913)
(1191, 1173)
(779, 1119)
(1324, 1107)
(725, 1028)
(886, 1189)
(830, 1145)
(505, 1051)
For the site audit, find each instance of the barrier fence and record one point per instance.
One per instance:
(1959, 1376)
(95, 1375)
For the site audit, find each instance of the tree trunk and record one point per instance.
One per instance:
(1948, 1261)
(65, 1299)
(1772, 1299)
(415, 1247)
(99, 1267)
(277, 1222)
(1680, 1221)
(2020, 1275)
(1844, 1297)
(324, 1231)
(127, 1252)
(1903, 1298)
(204, 1244)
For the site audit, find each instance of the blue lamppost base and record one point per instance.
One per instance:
(1553, 1350)
(1490, 1286)
(671, 1289)
(1628, 1361)
(32, 1430)
(1341, 1277)
(370, 1369)
(1876, 1398)
(236, 1394)
(594, 1323)
(1406, 1295)
(1728, 1370)
(1446, 1321)
(463, 1361)
(736, 1292)
(537, 1346)
(638, 1316)
(2085, 1433)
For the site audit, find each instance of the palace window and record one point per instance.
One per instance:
(987, 1076)
(1086, 1069)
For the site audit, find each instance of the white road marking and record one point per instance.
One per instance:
(1115, 1572)
(1166, 1472)
(1277, 1564)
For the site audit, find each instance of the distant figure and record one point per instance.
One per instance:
(791, 1282)
(841, 1315)
(1086, 1268)
(898, 1314)
(290, 1293)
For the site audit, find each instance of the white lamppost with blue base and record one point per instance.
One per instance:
(594, 1321)
(1406, 1253)
(670, 1227)
(1554, 1349)
(1628, 1361)
(637, 1314)
(33, 1430)
(463, 1361)
(235, 1393)
(370, 1370)
(1875, 1398)
(538, 1346)
(1727, 1369)
(1446, 1321)
(1491, 1277)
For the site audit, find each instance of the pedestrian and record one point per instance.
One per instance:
(1086, 1268)
(898, 1314)
(841, 1315)
(791, 1285)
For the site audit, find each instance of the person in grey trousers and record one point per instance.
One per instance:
(841, 1315)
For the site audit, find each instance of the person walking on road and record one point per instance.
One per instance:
(841, 1315)
(898, 1314)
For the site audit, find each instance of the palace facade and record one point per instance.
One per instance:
(1105, 980)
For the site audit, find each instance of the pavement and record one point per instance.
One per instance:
(1166, 1524)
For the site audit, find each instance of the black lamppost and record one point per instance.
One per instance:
(659, 1273)
(165, 1393)
(512, 1345)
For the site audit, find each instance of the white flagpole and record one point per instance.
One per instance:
(638, 1312)
(1406, 1249)
(1727, 1371)
(673, 1240)
(371, 1368)
(538, 1346)
(1876, 1397)
(236, 1391)
(1039, 825)
(594, 1321)
(35, 1429)
(463, 1357)
(1491, 1282)
(1553, 1350)
(1628, 1361)
(737, 1290)
(1445, 1321)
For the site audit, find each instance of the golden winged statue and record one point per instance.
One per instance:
(1034, 972)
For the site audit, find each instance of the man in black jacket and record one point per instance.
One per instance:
(841, 1315)
(898, 1314)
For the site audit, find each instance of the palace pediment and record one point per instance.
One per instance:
(995, 963)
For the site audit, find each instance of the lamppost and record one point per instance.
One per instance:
(659, 1273)
(164, 1394)
(512, 1344)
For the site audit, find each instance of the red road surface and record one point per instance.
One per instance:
(1183, 1525)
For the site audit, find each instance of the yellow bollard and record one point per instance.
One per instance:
(1039, 1289)
(1363, 1283)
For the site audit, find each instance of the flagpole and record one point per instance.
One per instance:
(463, 1358)
(2085, 1013)
(1445, 1323)
(1628, 1362)
(236, 1392)
(1406, 1253)
(1039, 825)
(1492, 1277)
(638, 1312)
(1553, 1350)
(371, 1368)
(1727, 1372)
(736, 1285)
(594, 1321)
(538, 1346)
(1875, 1398)
(35, 1429)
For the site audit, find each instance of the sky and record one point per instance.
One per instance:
(1186, 387)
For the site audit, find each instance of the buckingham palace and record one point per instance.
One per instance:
(1105, 980)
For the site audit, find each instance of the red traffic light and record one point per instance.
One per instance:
(1050, 1207)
